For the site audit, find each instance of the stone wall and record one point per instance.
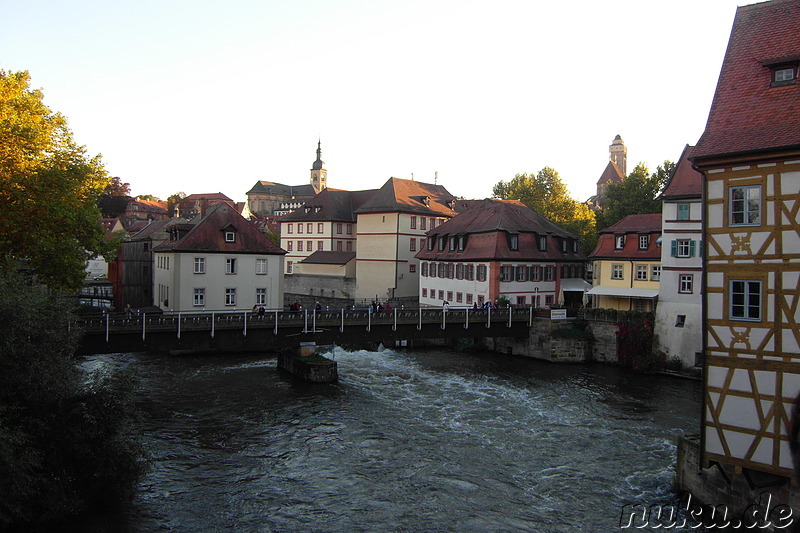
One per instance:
(317, 287)
(604, 347)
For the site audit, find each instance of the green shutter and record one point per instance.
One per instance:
(692, 245)
(674, 248)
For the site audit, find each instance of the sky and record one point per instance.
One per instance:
(207, 96)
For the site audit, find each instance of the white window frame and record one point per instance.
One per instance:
(686, 284)
(199, 297)
(261, 266)
(741, 310)
(655, 273)
(748, 208)
(644, 241)
(199, 265)
(230, 297)
(230, 266)
(641, 272)
(230, 236)
(261, 296)
(617, 271)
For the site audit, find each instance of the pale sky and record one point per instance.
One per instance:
(201, 96)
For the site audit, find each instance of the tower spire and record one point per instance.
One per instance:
(319, 176)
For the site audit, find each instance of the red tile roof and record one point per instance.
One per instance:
(410, 196)
(612, 174)
(685, 181)
(631, 226)
(487, 226)
(330, 204)
(322, 257)
(208, 235)
(747, 115)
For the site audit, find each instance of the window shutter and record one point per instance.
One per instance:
(674, 248)
(700, 248)
(692, 245)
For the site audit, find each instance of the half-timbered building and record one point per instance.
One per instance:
(749, 155)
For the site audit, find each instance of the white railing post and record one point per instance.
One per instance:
(419, 310)
(488, 317)
(244, 332)
(444, 315)
(144, 320)
(212, 324)
(466, 320)
(106, 327)
(530, 320)
(394, 326)
(179, 325)
(276, 322)
(305, 320)
(314, 321)
(509, 316)
(341, 327)
(369, 321)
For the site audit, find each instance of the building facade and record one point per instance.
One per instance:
(627, 264)
(223, 262)
(679, 316)
(749, 155)
(499, 249)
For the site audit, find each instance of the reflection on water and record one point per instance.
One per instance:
(417, 441)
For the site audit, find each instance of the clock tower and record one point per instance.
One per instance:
(319, 176)
(618, 153)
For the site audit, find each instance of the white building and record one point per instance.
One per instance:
(223, 262)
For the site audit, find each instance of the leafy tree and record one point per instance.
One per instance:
(65, 444)
(174, 200)
(114, 198)
(48, 187)
(546, 194)
(636, 195)
(148, 197)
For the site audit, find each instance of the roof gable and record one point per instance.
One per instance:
(747, 114)
(685, 180)
(410, 196)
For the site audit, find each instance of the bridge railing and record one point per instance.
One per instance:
(307, 320)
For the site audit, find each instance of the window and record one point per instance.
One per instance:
(745, 206)
(459, 297)
(422, 223)
(513, 242)
(309, 228)
(338, 246)
(310, 246)
(339, 228)
(564, 245)
(641, 272)
(449, 296)
(683, 248)
(291, 229)
(413, 222)
(430, 243)
(520, 274)
(680, 320)
(290, 246)
(412, 245)
(442, 242)
(199, 265)
(683, 211)
(451, 272)
(422, 243)
(230, 236)
(783, 75)
(230, 266)
(441, 295)
(300, 228)
(424, 269)
(481, 274)
(616, 271)
(452, 244)
(319, 227)
(320, 245)
(230, 296)
(412, 268)
(442, 270)
(480, 300)
(542, 243)
(575, 246)
(745, 300)
(469, 298)
(548, 300)
(349, 246)
(470, 272)
(655, 273)
(460, 271)
(548, 273)
(644, 240)
(506, 273)
(261, 296)
(199, 297)
(433, 270)
(299, 246)
(424, 293)
(521, 300)
(261, 266)
(289, 266)
(462, 240)
(619, 242)
(349, 229)
(686, 283)
(433, 223)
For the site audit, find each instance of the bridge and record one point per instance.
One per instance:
(241, 331)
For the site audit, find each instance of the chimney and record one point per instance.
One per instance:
(203, 207)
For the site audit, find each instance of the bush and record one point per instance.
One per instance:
(66, 443)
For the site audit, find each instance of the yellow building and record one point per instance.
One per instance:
(626, 264)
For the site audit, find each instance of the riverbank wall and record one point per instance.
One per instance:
(562, 342)
(738, 492)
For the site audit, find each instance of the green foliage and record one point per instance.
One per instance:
(65, 444)
(635, 343)
(148, 198)
(503, 301)
(174, 200)
(576, 329)
(546, 194)
(636, 195)
(48, 188)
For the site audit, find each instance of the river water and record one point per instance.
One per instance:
(412, 441)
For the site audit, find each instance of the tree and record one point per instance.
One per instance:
(148, 197)
(546, 194)
(66, 442)
(635, 195)
(174, 200)
(114, 199)
(48, 188)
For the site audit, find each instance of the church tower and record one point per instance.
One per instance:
(618, 154)
(319, 176)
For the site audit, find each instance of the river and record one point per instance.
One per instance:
(412, 441)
